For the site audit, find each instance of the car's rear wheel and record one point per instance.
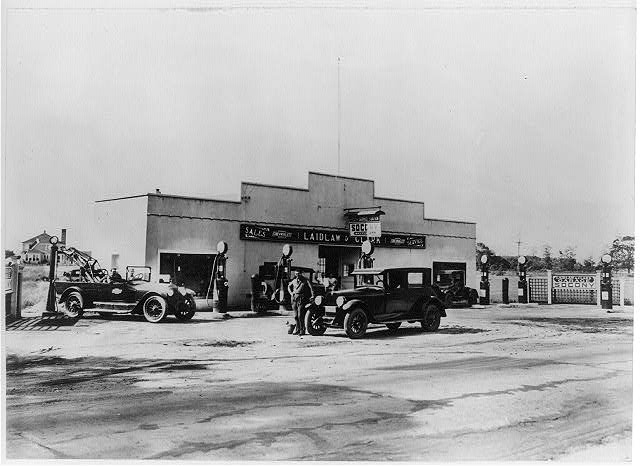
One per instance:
(431, 319)
(155, 309)
(313, 322)
(393, 326)
(187, 311)
(73, 305)
(355, 323)
(473, 297)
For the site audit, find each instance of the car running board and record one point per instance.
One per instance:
(114, 306)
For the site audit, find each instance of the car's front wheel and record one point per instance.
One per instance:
(355, 323)
(73, 305)
(448, 301)
(313, 322)
(187, 311)
(431, 319)
(155, 309)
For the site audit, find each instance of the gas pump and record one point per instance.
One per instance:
(220, 282)
(283, 277)
(53, 261)
(366, 261)
(522, 281)
(484, 280)
(606, 287)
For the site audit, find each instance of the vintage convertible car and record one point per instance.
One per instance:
(387, 296)
(135, 294)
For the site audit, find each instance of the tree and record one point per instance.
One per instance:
(546, 257)
(622, 252)
(8, 253)
(567, 259)
(588, 265)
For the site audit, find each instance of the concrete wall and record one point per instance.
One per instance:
(122, 229)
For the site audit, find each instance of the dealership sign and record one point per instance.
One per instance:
(572, 281)
(254, 232)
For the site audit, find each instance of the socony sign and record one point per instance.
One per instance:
(365, 229)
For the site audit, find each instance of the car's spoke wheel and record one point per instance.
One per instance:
(313, 322)
(355, 323)
(473, 298)
(448, 301)
(155, 309)
(431, 319)
(187, 310)
(73, 305)
(258, 306)
(393, 326)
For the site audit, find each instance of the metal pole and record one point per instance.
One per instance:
(51, 297)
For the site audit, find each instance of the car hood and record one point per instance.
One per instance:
(161, 288)
(357, 292)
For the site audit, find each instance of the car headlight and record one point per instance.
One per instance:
(340, 301)
(182, 290)
(170, 292)
(318, 300)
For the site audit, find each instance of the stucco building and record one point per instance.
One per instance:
(177, 235)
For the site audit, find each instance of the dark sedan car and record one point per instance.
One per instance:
(268, 295)
(381, 296)
(457, 294)
(134, 294)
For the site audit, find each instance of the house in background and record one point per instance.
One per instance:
(37, 250)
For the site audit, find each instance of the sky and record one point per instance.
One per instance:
(519, 116)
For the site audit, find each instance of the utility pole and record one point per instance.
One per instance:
(339, 115)
(518, 243)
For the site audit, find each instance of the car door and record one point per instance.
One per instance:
(395, 293)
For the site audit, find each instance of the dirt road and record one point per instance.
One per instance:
(548, 382)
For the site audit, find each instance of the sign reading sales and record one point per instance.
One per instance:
(365, 229)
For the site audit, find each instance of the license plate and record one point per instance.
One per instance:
(330, 310)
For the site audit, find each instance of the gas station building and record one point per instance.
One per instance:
(177, 235)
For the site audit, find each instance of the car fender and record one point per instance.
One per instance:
(438, 303)
(353, 304)
(66, 292)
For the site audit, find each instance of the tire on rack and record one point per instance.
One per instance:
(313, 322)
(431, 320)
(393, 326)
(355, 323)
(187, 311)
(74, 305)
(154, 309)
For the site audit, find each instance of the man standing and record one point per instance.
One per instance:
(301, 292)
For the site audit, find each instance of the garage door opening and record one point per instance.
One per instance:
(190, 270)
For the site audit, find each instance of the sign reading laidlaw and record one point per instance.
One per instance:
(256, 232)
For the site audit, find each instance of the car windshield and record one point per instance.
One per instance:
(369, 280)
(139, 273)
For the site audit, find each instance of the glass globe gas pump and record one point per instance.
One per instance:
(53, 262)
(484, 280)
(221, 284)
(284, 277)
(522, 281)
(606, 287)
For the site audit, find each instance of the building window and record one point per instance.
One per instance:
(347, 269)
(322, 265)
